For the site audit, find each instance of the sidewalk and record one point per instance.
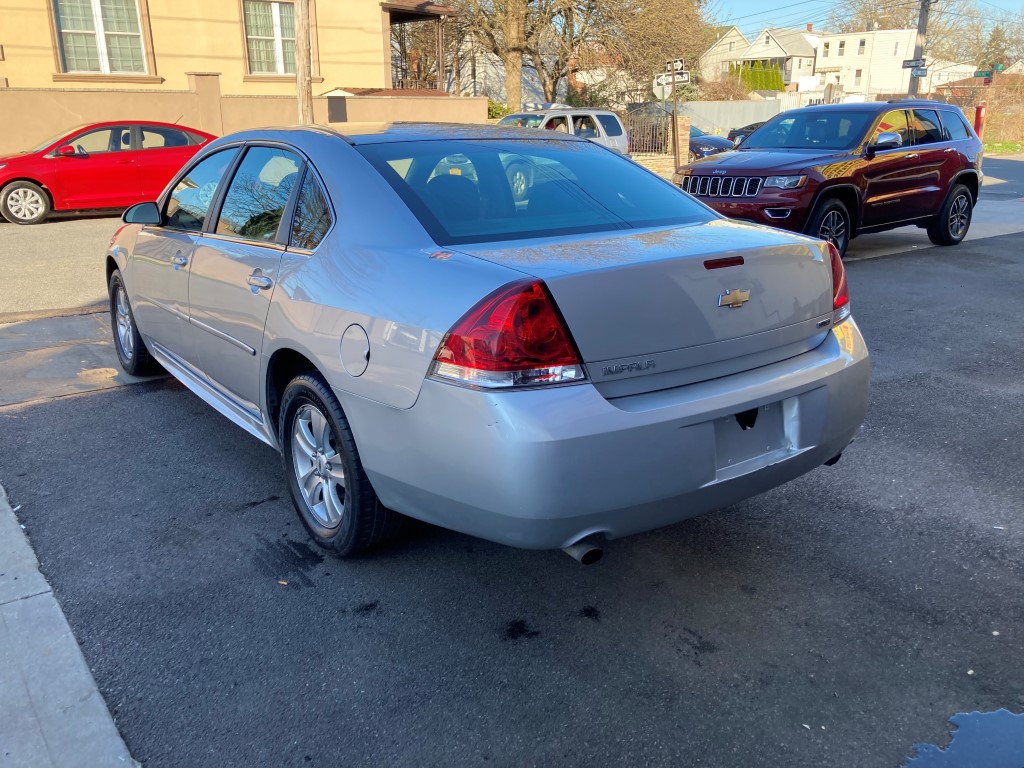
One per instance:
(51, 713)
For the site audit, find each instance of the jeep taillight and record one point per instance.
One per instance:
(514, 337)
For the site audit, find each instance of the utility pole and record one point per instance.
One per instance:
(919, 43)
(303, 85)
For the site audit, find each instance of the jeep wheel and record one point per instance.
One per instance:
(830, 221)
(953, 221)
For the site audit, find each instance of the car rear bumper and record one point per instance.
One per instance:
(544, 468)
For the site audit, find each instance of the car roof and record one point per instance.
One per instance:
(873, 106)
(359, 134)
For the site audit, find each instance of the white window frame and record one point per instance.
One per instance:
(101, 41)
(275, 13)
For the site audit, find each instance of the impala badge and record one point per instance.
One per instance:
(734, 298)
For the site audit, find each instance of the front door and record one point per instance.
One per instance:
(101, 174)
(894, 185)
(235, 269)
(162, 258)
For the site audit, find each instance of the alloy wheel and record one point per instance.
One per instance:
(125, 327)
(959, 216)
(25, 204)
(318, 466)
(833, 229)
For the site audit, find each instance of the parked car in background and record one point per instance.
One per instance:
(736, 135)
(837, 171)
(601, 357)
(101, 165)
(705, 144)
(598, 125)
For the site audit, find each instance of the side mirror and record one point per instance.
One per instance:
(886, 140)
(143, 213)
(66, 150)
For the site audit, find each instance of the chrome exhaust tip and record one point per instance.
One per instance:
(587, 550)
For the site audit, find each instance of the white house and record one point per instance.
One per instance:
(714, 63)
(791, 49)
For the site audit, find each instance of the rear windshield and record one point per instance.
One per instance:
(811, 130)
(491, 190)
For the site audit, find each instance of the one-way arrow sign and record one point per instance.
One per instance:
(671, 78)
(912, 63)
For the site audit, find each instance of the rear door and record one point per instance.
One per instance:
(939, 160)
(162, 151)
(235, 268)
(101, 174)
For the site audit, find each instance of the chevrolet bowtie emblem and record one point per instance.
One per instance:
(734, 299)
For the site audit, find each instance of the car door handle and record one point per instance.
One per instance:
(913, 156)
(179, 260)
(947, 150)
(256, 280)
(125, 162)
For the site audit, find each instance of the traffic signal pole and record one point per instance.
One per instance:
(919, 43)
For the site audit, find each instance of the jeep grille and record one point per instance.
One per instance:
(722, 186)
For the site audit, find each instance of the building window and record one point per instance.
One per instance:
(860, 46)
(767, 39)
(824, 50)
(731, 44)
(270, 37)
(856, 77)
(896, 50)
(102, 36)
(842, 48)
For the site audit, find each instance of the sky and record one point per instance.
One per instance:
(751, 17)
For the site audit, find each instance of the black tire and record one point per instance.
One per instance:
(830, 221)
(362, 521)
(131, 349)
(954, 219)
(23, 202)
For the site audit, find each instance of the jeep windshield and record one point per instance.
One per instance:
(811, 130)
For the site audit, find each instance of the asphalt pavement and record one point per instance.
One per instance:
(840, 619)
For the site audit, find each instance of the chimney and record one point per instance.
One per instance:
(810, 27)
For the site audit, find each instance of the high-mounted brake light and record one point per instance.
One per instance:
(840, 291)
(514, 337)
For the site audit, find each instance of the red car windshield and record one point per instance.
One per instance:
(811, 130)
(53, 139)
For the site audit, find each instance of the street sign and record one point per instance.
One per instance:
(671, 78)
(919, 72)
(983, 73)
(674, 66)
(913, 63)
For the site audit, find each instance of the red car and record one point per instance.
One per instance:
(102, 165)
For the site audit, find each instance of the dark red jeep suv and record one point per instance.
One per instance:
(836, 171)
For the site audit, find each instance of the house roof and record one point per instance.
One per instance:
(793, 42)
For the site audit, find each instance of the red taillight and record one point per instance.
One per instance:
(840, 291)
(513, 337)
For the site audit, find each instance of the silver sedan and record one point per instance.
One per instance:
(591, 357)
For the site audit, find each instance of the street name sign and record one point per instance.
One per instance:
(983, 73)
(913, 63)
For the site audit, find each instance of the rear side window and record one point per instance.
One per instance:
(312, 215)
(258, 194)
(955, 125)
(154, 137)
(927, 129)
(610, 124)
(191, 197)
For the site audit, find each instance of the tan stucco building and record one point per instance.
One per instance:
(218, 65)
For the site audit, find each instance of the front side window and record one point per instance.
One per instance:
(526, 188)
(270, 37)
(312, 215)
(192, 196)
(101, 36)
(102, 140)
(893, 122)
(258, 194)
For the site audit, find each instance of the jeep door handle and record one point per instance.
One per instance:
(179, 260)
(256, 280)
(913, 156)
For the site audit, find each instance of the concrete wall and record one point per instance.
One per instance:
(44, 112)
(720, 117)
